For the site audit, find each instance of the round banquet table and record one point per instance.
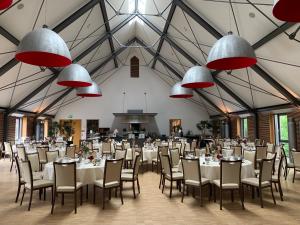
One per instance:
(211, 170)
(86, 172)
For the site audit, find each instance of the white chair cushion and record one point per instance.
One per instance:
(43, 161)
(255, 182)
(275, 178)
(39, 184)
(68, 188)
(127, 170)
(37, 175)
(226, 186)
(289, 164)
(175, 169)
(176, 176)
(127, 176)
(154, 160)
(197, 183)
(99, 183)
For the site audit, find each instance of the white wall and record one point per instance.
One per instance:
(158, 101)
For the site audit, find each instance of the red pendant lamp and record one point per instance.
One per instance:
(178, 91)
(4, 4)
(44, 47)
(197, 77)
(90, 91)
(287, 10)
(231, 52)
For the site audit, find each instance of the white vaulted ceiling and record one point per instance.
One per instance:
(185, 43)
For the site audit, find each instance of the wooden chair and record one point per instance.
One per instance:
(31, 184)
(21, 181)
(276, 178)
(106, 148)
(264, 180)
(70, 151)
(296, 158)
(192, 177)
(174, 157)
(21, 153)
(133, 177)
(112, 179)
(288, 164)
(260, 154)
(169, 175)
(65, 182)
(156, 160)
(42, 155)
(35, 165)
(51, 156)
(230, 180)
(237, 150)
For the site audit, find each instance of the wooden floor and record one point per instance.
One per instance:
(151, 207)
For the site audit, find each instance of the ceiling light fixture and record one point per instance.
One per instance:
(91, 91)
(74, 75)
(178, 91)
(197, 77)
(4, 4)
(287, 10)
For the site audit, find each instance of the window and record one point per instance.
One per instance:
(134, 67)
(281, 131)
(18, 130)
(244, 127)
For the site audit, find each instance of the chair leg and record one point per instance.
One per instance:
(75, 201)
(294, 175)
(201, 196)
(24, 190)
(18, 193)
(53, 200)
(275, 187)
(133, 188)
(12, 162)
(87, 191)
(171, 189)
(273, 195)
(121, 194)
(44, 194)
(182, 193)
(94, 197)
(221, 198)
(241, 192)
(160, 180)
(232, 196)
(163, 185)
(138, 185)
(280, 191)
(30, 199)
(214, 193)
(261, 198)
(62, 199)
(81, 190)
(103, 200)
(109, 193)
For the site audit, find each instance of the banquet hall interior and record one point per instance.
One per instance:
(149, 112)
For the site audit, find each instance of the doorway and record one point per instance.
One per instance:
(175, 126)
(282, 131)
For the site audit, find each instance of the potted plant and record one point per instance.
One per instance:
(204, 125)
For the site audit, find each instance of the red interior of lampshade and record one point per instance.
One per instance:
(89, 95)
(231, 63)
(198, 85)
(4, 4)
(287, 10)
(74, 84)
(181, 96)
(43, 59)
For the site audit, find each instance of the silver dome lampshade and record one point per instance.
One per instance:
(287, 10)
(197, 77)
(178, 91)
(74, 76)
(43, 47)
(91, 91)
(231, 52)
(4, 4)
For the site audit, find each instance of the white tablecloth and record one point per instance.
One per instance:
(211, 171)
(30, 150)
(86, 173)
(149, 153)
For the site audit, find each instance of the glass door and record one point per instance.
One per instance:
(281, 131)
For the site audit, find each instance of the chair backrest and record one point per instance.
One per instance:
(21, 153)
(51, 156)
(230, 172)
(250, 156)
(163, 149)
(125, 145)
(175, 157)
(266, 170)
(106, 147)
(194, 144)
(136, 167)
(112, 170)
(191, 169)
(237, 150)
(118, 147)
(64, 174)
(59, 144)
(70, 151)
(270, 147)
(7, 148)
(42, 152)
(18, 161)
(176, 144)
(166, 164)
(261, 152)
(187, 147)
(199, 152)
(296, 158)
(34, 161)
(278, 169)
(27, 172)
(120, 154)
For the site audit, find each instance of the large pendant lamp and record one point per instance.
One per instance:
(74, 76)
(4, 4)
(44, 47)
(91, 91)
(231, 52)
(287, 10)
(197, 77)
(178, 91)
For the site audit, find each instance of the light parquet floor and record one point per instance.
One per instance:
(151, 207)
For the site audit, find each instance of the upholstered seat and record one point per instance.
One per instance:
(274, 178)
(175, 169)
(197, 183)
(69, 188)
(100, 183)
(226, 186)
(175, 176)
(255, 182)
(39, 184)
(127, 171)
